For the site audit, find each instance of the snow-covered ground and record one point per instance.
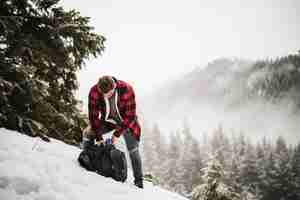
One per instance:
(33, 169)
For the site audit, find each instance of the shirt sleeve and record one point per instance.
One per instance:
(130, 113)
(94, 112)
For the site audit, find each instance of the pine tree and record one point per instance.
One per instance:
(191, 160)
(269, 179)
(150, 155)
(41, 48)
(147, 149)
(197, 163)
(173, 165)
(249, 177)
(213, 188)
(233, 178)
(159, 152)
(275, 171)
(220, 146)
(283, 166)
(261, 161)
(295, 174)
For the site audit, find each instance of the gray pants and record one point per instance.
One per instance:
(132, 145)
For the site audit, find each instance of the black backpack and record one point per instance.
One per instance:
(106, 160)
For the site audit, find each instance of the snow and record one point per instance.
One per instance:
(33, 169)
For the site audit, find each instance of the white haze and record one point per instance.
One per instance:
(256, 118)
(149, 42)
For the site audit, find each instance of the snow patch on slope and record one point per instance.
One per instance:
(33, 169)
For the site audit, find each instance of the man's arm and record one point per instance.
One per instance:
(94, 112)
(130, 113)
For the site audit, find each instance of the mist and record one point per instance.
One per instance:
(256, 120)
(224, 104)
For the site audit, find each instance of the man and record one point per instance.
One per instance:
(114, 100)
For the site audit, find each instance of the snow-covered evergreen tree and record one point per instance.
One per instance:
(191, 160)
(268, 179)
(147, 148)
(220, 146)
(196, 164)
(284, 176)
(295, 173)
(174, 173)
(42, 46)
(213, 188)
(248, 170)
(255, 172)
(154, 151)
(159, 153)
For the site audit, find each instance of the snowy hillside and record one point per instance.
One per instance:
(33, 169)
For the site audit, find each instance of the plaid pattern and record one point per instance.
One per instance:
(126, 106)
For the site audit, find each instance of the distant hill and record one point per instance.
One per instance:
(213, 82)
(235, 93)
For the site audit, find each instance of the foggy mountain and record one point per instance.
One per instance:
(257, 98)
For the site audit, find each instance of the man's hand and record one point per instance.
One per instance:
(99, 142)
(113, 139)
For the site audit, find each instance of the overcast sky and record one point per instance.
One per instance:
(151, 41)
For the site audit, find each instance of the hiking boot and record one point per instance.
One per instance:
(139, 183)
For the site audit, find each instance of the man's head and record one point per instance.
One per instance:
(106, 85)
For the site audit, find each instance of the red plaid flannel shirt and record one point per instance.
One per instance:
(126, 105)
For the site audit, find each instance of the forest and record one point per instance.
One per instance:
(243, 169)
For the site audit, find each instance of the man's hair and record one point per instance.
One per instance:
(105, 84)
